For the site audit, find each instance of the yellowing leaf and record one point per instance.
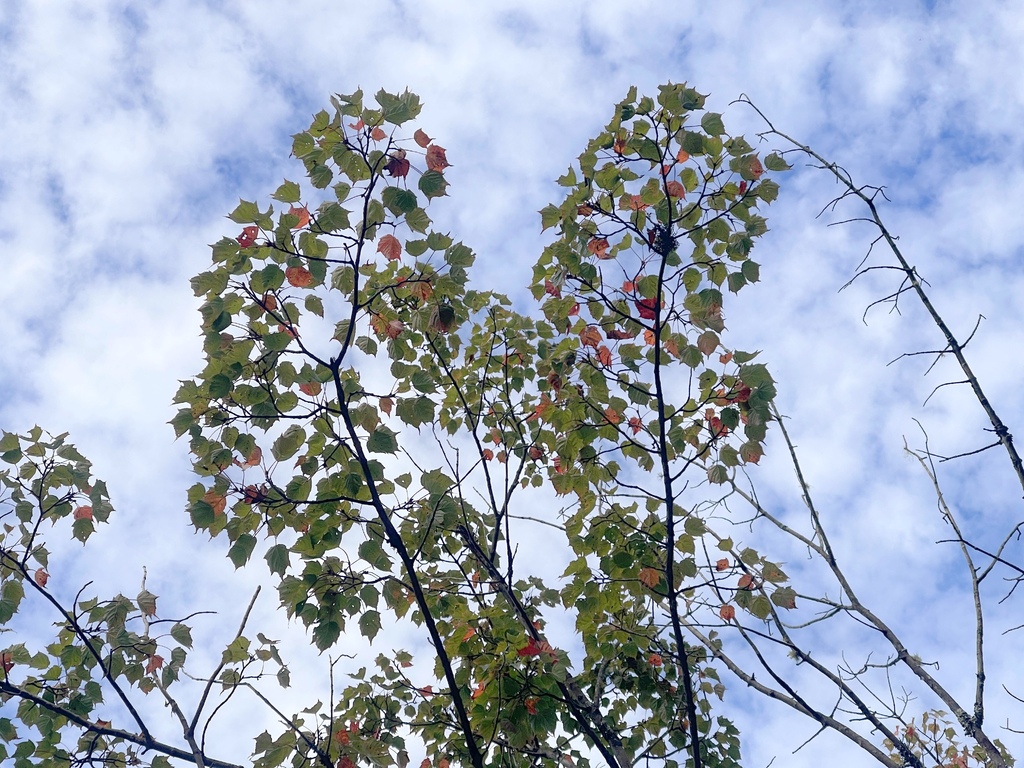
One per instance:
(300, 277)
(303, 215)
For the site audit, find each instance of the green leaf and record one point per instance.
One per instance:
(775, 163)
(400, 108)
(383, 440)
(433, 184)
(288, 443)
(712, 124)
(369, 624)
(398, 200)
(549, 216)
(182, 634)
(288, 192)
(241, 550)
(277, 559)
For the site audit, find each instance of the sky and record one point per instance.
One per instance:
(129, 131)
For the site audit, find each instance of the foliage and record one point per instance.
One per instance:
(386, 438)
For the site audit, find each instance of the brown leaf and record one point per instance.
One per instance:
(612, 415)
(377, 134)
(386, 404)
(391, 247)
(675, 189)
(215, 500)
(727, 612)
(436, 160)
(40, 577)
(421, 138)
(397, 165)
(617, 335)
(154, 663)
(590, 336)
(604, 355)
(311, 388)
(722, 564)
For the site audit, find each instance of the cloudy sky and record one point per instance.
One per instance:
(128, 131)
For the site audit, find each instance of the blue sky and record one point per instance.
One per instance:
(130, 130)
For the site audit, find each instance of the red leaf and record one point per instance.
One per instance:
(377, 134)
(535, 452)
(574, 311)
(755, 167)
(391, 247)
(675, 189)
(248, 236)
(552, 289)
(269, 302)
(636, 204)
(599, 247)
(654, 660)
(421, 138)
(254, 458)
(346, 762)
(41, 577)
(436, 160)
(154, 663)
(397, 165)
(531, 704)
(7, 661)
(635, 424)
(743, 187)
(311, 388)
(253, 494)
(302, 213)
(487, 453)
(646, 308)
(300, 277)
(83, 513)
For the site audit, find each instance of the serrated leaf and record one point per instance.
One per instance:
(369, 624)
(277, 559)
(182, 634)
(433, 184)
(383, 440)
(288, 192)
(241, 550)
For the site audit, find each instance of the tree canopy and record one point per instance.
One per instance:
(387, 439)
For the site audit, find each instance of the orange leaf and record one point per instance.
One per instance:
(83, 513)
(436, 160)
(487, 453)
(746, 582)
(469, 633)
(41, 577)
(590, 336)
(599, 247)
(649, 337)
(654, 660)
(675, 189)
(559, 468)
(531, 704)
(358, 125)
(635, 424)
(386, 404)
(650, 577)
(282, 328)
(727, 612)
(535, 452)
(617, 335)
(636, 204)
(584, 210)
(254, 457)
(269, 302)
(725, 357)
(604, 355)
(671, 346)
(154, 663)
(421, 138)
(300, 277)
(377, 134)
(722, 564)
(574, 311)
(443, 763)
(302, 213)
(755, 167)
(215, 500)
(682, 155)
(620, 145)
(391, 247)
(629, 286)
(479, 689)
(341, 736)
(394, 329)
(311, 388)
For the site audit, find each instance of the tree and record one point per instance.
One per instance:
(389, 439)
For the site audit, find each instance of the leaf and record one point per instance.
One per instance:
(650, 577)
(784, 597)
(300, 212)
(147, 602)
(182, 635)
(40, 577)
(377, 134)
(432, 184)
(398, 166)
(382, 440)
(598, 246)
(421, 138)
(287, 193)
(590, 336)
(300, 277)
(391, 247)
(675, 189)
(727, 612)
(154, 663)
(436, 159)
(248, 236)
(369, 624)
